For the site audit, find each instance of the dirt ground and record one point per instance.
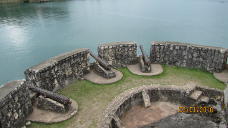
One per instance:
(139, 116)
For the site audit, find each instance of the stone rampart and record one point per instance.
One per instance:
(59, 71)
(118, 54)
(15, 104)
(212, 59)
(132, 97)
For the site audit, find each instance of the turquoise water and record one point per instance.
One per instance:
(31, 33)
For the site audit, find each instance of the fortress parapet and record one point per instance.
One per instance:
(212, 59)
(119, 54)
(15, 104)
(59, 71)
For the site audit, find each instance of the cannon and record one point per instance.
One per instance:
(144, 61)
(101, 62)
(48, 94)
(102, 68)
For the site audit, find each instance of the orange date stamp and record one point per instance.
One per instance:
(196, 109)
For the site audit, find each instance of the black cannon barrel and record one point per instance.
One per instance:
(103, 63)
(145, 58)
(54, 96)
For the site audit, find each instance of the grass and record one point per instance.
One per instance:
(93, 99)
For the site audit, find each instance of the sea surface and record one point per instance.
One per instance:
(32, 33)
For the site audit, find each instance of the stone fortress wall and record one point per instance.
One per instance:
(212, 59)
(119, 54)
(61, 70)
(133, 97)
(15, 104)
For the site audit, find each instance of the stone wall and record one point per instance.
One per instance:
(226, 103)
(119, 54)
(11, 1)
(212, 59)
(132, 97)
(15, 104)
(59, 71)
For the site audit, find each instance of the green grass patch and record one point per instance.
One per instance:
(93, 99)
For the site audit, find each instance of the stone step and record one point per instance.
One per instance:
(146, 99)
(195, 95)
(204, 99)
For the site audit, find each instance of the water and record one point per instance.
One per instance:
(32, 33)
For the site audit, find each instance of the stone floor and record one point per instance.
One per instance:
(135, 69)
(139, 116)
(49, 117)
(97, 79)
(223, 76)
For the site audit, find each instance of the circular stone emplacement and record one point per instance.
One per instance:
(223, 76)
(156, 69)
(48, 117)
(97, 79)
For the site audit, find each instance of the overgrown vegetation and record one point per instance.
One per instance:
(93, 99)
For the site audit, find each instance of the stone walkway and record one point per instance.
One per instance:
(156, 69)
(48, 117)
(223, 76)
(97, 79)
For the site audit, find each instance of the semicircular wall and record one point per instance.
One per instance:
(132, 97)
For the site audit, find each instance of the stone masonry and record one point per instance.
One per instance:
(59, 71)
(119, 54)
(15, 104)
(134, 96)
(212, 59)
